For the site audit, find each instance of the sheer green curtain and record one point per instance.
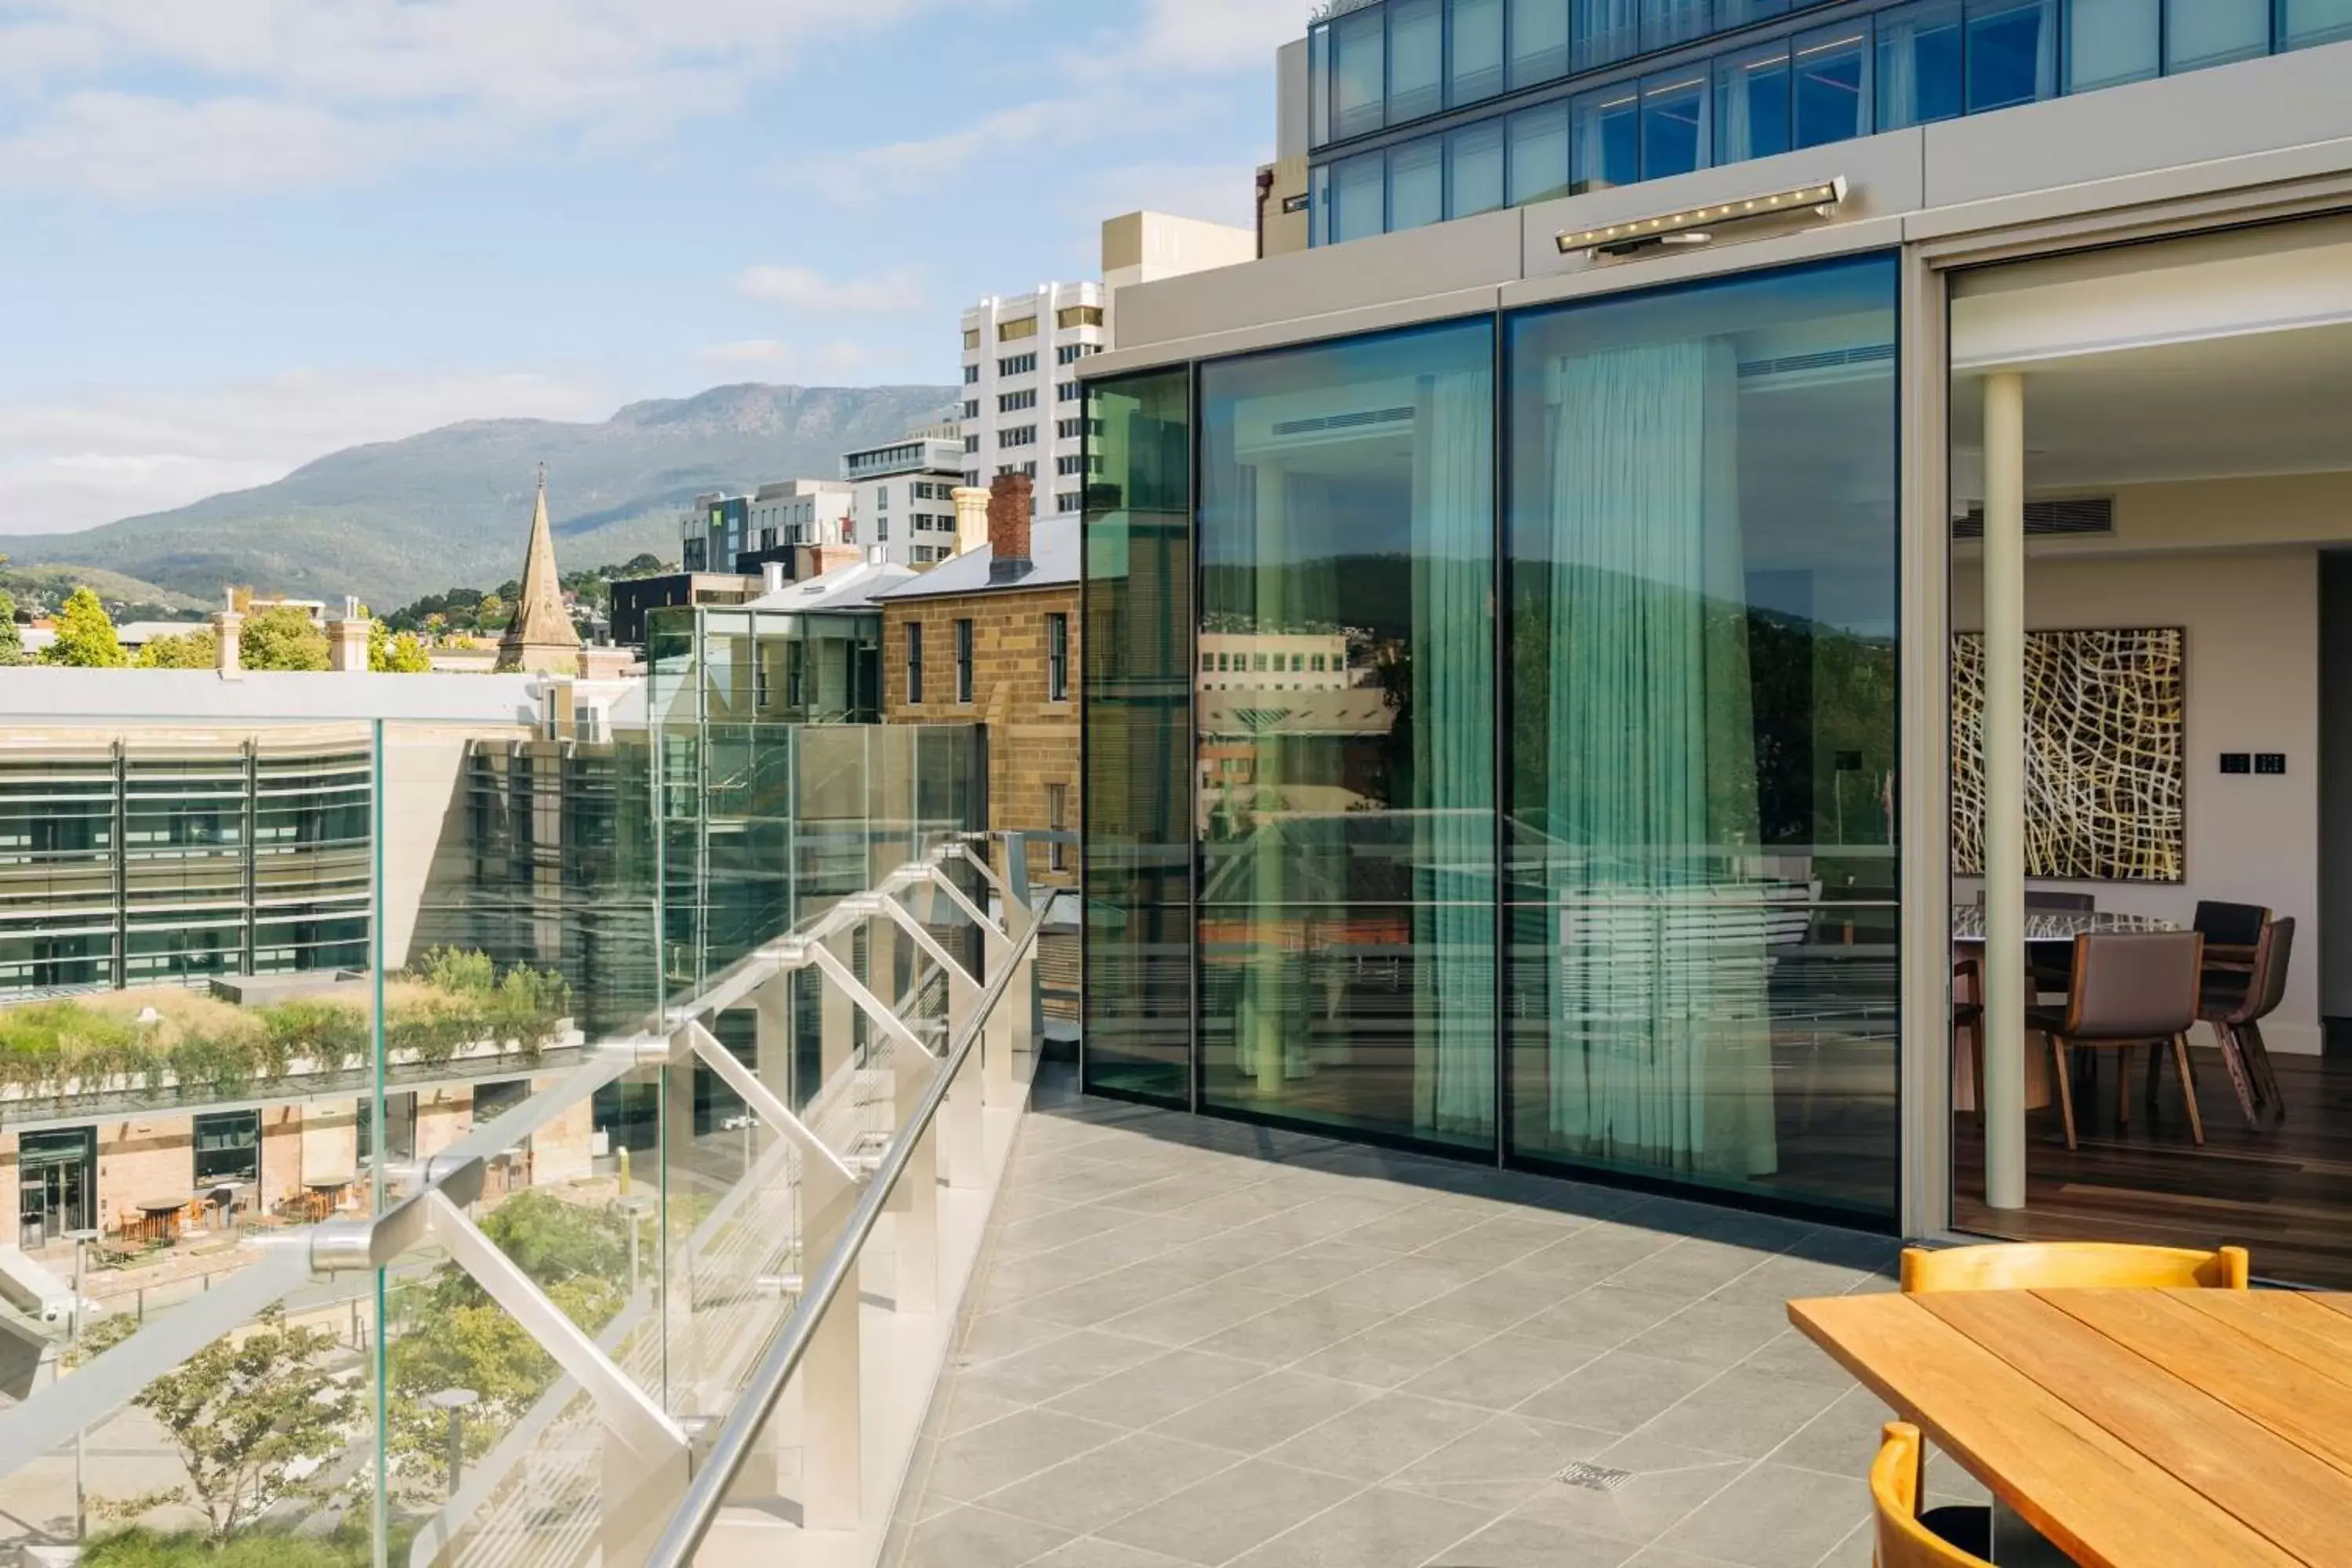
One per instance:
(1660, 1049)
(1453, 698)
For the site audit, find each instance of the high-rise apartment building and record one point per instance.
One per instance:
(1022, 409)
(899, 495)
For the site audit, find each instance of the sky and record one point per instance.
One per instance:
(237, 235)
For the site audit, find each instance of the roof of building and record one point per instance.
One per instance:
(851, 587)
(37, 693)
(1053, 564)
(541, 626)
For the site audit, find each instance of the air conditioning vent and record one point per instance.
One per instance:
(1341, 421)
(2049, 518)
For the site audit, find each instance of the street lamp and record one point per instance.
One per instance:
(455, 1401)
(81, 1239)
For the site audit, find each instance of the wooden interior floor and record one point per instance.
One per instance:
(2283, 1190)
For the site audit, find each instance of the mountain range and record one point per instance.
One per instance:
(395, 519)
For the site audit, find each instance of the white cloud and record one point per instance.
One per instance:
(1212, 35)
(893, 293)
(299, 91)
(77, 459)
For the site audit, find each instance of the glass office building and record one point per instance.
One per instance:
(1425, 110)
(1490, 725)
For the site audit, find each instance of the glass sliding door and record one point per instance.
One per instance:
(1137, 685)
(1700, 558)
(1345, 759)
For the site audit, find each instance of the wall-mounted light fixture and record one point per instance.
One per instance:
(1694, 225)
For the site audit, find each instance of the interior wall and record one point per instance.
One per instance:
(2252, 685)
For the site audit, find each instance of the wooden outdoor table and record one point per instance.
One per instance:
(2134, 1428)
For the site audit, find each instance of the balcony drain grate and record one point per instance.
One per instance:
(1591, 1478)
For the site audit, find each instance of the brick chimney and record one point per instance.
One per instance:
(347, 640)
(1010, 507)
(228, 625)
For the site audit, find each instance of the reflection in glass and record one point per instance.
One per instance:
(1417, 184)
(2303, 23)
(1478, 59)
(1137, 840)
(1538, 153)
(1920, 64)
(2110, 42)
(1675, 136)
(1609, 138)
(1752, 103)
(1318, 85)
(2012, 52)
(1669, 22)
(1832, 85)
(1702, 537)
(1538, 37)
(2199, 33)
(1345, 712)
(1474, 169)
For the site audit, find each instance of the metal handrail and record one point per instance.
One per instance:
(698, 1510)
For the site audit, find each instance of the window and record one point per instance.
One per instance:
(2012, 52)
(1017, 435)
(1416, 184)
(1665, 23)
(2303, 23)
(1014, 401)
(971, 338)
(1068, 391)
(1920, 64)
(1069, 429)
(1416, 59)
(1605, 30)
(963, 661)
(1539, 139)
(1619, 643)
(1393, 536)
(882, 497)
(2110, 42)
(1608, 138)
(971, 407)
(1474, 156)
(1751, 103)
(1070, 316)
(1070, 354)
(1538, 41)
(2199, 33)
(1358, 73)
(1014, 331)
(914, 662)
(1058, 658)
(1359, 197)
(228, 1148)
(1477, 61)
(1058, 820)
(971, 444)
(1069, 501)
(1016, 365)
(1832, 70)
(1674, 135)
(1090, 464)
(970, 373)
(1318, 84)
(971, 476)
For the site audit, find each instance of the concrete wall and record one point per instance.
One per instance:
(2253, 644)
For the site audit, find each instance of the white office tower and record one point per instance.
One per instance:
(1022, 410)
(902, 495)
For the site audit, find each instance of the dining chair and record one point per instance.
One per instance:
(2230, 932)
(2235, 1006)
(2126, 991)
(2050, 975)
(2072, 1265)
(1906, 1538)
(1968, 1021)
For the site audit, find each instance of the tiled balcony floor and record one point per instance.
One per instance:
(1192, 1342)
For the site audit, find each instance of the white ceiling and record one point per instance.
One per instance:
(2274, 402)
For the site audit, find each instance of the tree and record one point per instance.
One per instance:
(12, 640)
(198, 649)
(391, 654)
(86, 638)
(491, 614)
(282, 637)
(253, 1417)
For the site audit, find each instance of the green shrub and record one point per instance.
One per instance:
(140, 1548)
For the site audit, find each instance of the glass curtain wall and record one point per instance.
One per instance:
(1345, 712)
(1138, 682)
(1701, 537)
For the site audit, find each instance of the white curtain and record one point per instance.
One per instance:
(1453, 710)
(1660, 1050)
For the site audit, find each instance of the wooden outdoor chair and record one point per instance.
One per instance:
(1941, 1538)
(2072, 1265)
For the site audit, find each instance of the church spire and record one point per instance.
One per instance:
(541, 635)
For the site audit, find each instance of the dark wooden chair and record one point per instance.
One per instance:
(2236, 1013)
(1968, 1019)
(2127, 991)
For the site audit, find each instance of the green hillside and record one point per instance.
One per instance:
(397, 520)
